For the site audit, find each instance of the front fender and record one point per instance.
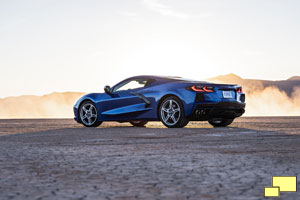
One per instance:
(81, 99)
(90, 97)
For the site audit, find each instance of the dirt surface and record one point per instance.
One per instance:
(59, 159)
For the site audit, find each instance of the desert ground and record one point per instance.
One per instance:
(60, 159)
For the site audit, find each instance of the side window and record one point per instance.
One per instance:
(133, 84)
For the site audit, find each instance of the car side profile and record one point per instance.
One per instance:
(172, 100)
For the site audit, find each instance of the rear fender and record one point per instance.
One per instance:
(186, 97)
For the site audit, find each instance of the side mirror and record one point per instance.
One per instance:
(107, 89)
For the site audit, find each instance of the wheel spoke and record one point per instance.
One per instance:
(93, 115)
(83, 117)
(173, 118)
(177, 110)
(170, 104)
(89, 120)
(168, 117)
(91, 108)
(84, 109)
(165, 110)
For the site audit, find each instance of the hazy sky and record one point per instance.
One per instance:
(60, 45)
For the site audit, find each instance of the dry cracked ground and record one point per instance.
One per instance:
(59, 159)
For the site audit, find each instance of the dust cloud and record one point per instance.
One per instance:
(270, 101)
(265, 101)
(261, 101)
(54, 105)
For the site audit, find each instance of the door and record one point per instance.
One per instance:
(125, 102)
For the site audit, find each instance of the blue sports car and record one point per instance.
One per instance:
(172, 100)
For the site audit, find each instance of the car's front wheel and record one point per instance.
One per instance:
(220, 122)
(171, 113)
(88, 114)
(138, 123)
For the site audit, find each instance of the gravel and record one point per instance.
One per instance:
(60, 159)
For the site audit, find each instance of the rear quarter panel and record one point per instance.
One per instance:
(178, 89)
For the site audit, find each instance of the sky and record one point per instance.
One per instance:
(82, 45)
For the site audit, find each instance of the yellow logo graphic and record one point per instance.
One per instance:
(281, 184)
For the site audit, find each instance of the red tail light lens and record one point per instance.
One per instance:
(198, 88)
(240, 90)
(208, 89)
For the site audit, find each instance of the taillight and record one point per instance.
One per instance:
(240, 90)
(199, 88)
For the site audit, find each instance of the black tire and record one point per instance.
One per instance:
(138, 123)
(82, 115)
(178, 119)
(220, 122)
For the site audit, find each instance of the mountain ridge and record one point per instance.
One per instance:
(234, 76)
(286, 86)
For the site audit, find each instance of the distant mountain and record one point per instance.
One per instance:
(287, 86)
(294, 78)
(228, 78)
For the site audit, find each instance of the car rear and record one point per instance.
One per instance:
(217, 101)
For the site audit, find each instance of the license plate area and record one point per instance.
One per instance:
(228, 94)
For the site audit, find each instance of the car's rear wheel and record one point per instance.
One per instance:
(171, 113)
(138, 123)
(220, 122)
(88, 114)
